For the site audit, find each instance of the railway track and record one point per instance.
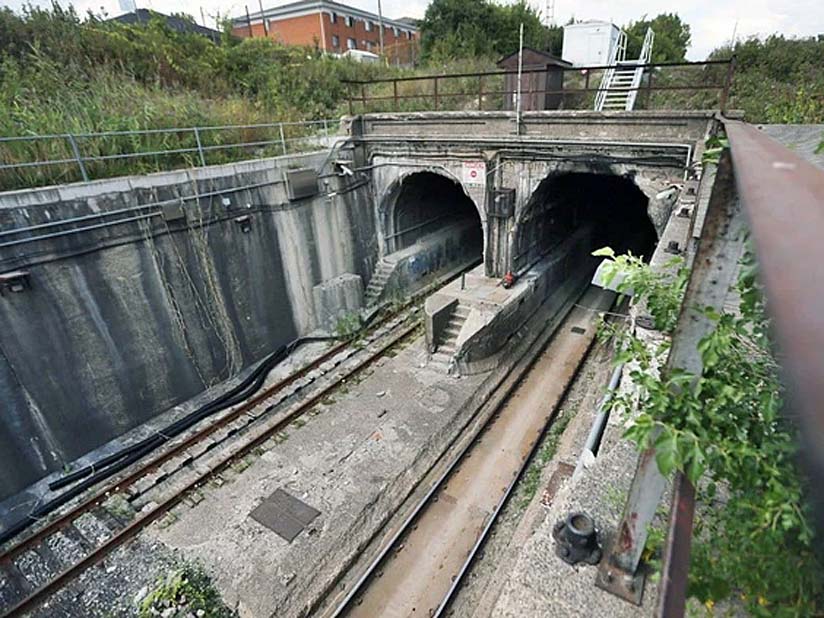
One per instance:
(30, 571)
(420, 566)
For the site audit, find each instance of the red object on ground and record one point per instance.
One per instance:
(509, 280)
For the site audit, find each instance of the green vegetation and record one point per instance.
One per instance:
(187, 591)
(672, 37)
(62, 74)
(482, 28)
(724, 429)
(528, 486)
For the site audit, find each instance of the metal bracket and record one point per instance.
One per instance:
(620, 583)
(15, 281)
(245, 223)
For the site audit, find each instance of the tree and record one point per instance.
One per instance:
(471, 28)
(672, 37)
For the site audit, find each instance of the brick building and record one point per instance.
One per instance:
(332, 27)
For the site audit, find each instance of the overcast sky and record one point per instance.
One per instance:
(713, 21)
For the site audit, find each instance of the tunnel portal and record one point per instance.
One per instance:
(613, 207)
(428, 203)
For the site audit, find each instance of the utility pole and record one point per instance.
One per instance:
(380, 25)
(263, 19)
(249, 21)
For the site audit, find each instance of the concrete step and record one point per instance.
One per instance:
(452, 332)
(447, 348)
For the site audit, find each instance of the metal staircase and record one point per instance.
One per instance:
(620, 84)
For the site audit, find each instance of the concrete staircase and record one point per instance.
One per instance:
(377, 284)
(447, 346)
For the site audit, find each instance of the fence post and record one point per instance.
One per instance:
(725, 94)
(351, 102)
(649, 88)
(199, 147)
(437, 100)
(395, 89)
(76, 152)
(363, 97)
(282, 138)
(325, 127)
(480, 93)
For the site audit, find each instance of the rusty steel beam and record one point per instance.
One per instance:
(713, 273)
(672, 599)
(783, 197)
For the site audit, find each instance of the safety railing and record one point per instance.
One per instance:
(669, 85)
(37, 160)
(767, 189)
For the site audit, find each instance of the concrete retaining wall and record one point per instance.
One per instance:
(128, 313)
(485, 334)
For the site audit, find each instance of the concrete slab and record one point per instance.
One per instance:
(354, 463)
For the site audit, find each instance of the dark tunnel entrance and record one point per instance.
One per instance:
(611, 208)
(430, 208)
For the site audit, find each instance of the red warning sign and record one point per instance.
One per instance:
(473, 173)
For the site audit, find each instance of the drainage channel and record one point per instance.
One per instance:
(422, 566)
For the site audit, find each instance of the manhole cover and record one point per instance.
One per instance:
(284, 514)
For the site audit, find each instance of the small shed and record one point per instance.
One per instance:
(536, 83)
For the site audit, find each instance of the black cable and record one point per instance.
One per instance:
(114, 463)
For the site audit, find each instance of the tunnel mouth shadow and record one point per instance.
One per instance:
(610, 207)
(427, 204)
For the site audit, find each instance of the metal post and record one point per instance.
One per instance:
(363, 96)
(76, 151)
(672, 599)
(282, 138)
(349, 97)
(325, 127)
(725, 94)
(649, 88)
(463, 281)
(395, 89)
(196, 131)
(520, 72)
(437, 99)
(380, 25)
(480, 93)
(263, 19)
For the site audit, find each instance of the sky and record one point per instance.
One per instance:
(713, 22)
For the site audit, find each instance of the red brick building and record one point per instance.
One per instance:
(332, 27)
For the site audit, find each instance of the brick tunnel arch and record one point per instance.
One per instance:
(426, 203)
(612, 206)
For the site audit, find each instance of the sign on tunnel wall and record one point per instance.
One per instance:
(473, 173)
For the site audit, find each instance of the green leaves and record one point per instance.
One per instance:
(724, 430)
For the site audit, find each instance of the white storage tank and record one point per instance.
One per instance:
(590, 43)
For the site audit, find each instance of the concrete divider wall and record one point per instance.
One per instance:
(482, 339)
(123, 321)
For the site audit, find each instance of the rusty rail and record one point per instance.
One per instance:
(779, 196)
(358, 95)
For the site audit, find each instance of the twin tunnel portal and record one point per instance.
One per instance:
(612, 207)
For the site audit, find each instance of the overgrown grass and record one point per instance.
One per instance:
(187, 591)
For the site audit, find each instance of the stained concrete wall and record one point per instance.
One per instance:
(653, 148)
(122, 321)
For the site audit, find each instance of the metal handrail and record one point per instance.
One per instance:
(77, 143)
(358, 95)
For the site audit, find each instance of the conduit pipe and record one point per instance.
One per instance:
(596, 432)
